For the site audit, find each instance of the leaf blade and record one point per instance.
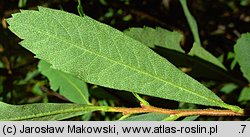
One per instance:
(43, 111)
(200, 52)
(203, 63)
(69, 86)
(244, 95)
(242, 50)
(197, 49)
(146, 117)
(131, 66)
(156, 37)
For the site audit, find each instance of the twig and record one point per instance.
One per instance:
(49, 92)
(181, 113)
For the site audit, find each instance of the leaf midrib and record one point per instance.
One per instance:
(117, 62)
(55, 112)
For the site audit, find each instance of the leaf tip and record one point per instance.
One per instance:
(40, 8)
(43, 9)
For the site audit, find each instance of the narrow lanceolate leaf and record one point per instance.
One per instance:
(205, 55)
(197, 49)
(102, 55)
(43, 111)
(156, 37)
(190, 118)
(201, 61)
(147, 117)
(242, 50)
(69, 86)
(191, 21)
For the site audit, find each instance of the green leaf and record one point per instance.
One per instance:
(244, 2)
(80, 8)
(190, 118)
(102, 55)
(197, 49)
(44, 111)
(231, 56)
(147, 117)
(242, 50)
(205, 55)
(69, 86)
(155, 117)
(127, 17)
(244, 95)
(247, 119)
(1, 63)
(156, 37)
(191, 21)
(173, 117)
(22, 3)
(228, 88)
(200, 68)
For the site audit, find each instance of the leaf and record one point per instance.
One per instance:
(147, 117)
(231, 56)
(156, 37)
(247, 119)
(200, 67)
(228, 88)
(80, 8)
(205, 55)
(69, 86)
(43, 111)
(155, 117)
(242, 50)
(191, 21)
(244, 2)
(102, 55)
(190, 118)
(22, 3)
(170, 40)
(244, 95)
(197, 49)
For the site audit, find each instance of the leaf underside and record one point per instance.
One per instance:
(102, 55)
(244, 95)
(69, 86)
(242, 50)
(147, 117)
(200, 52)
(43, 111)
(203, 63)
(156, 37)
(197, 49)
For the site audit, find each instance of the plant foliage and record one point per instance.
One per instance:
(43, 111)
(99, 54)
(69, 86)
(156, 37)
(99, 68)
(242, 50)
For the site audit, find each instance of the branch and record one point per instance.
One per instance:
(181, 113)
